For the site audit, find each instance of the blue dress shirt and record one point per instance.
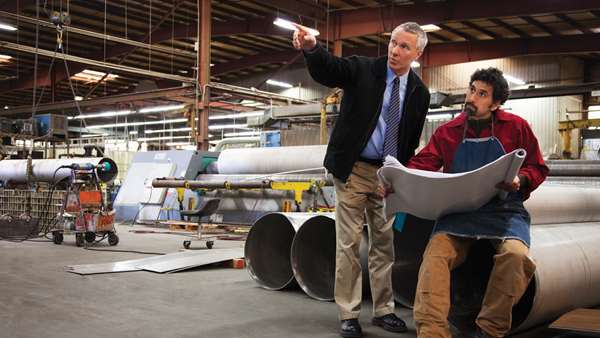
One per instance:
(374, 148)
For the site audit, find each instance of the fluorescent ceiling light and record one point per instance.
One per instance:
(235, 116)
(161, 108)
(154, 131)
(415, 64)
(144, 139)
(7, 27)
(78, 98)
(105, 114)
(132, 124)
(93, 76)
(5, 58)
(5, 107)
(294, 26)
(133, 132)
(430, 28)
(279, 83)
(243, 133)
(513, 79)
(227, 126)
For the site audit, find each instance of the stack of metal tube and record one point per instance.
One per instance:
(285, 248)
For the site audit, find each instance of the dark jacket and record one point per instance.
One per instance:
(363, 81)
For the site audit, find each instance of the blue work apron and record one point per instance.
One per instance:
(498, 219)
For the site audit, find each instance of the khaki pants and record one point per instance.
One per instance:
(508, 281)
(352, 199)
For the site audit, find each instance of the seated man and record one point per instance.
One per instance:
(480, 135)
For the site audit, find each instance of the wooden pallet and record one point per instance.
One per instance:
(579, 320)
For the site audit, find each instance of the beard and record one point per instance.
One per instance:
(470, 109)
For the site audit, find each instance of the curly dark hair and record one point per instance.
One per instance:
(493, 76)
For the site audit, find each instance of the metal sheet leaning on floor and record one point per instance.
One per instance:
(430, 195)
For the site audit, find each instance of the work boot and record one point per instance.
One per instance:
(390, 322)
(350, 328)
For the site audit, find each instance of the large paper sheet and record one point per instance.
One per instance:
(430, 195)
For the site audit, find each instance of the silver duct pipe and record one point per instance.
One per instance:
(16, 171)
(574, 168)
(313, 256)
(267, 249)
(552, 204)
(567, 276)
(271, 160)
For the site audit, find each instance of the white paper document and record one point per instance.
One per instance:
(430, 195)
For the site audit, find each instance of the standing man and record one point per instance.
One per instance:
(480, 135)
(382, 113)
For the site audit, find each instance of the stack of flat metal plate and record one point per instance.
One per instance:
(173, 262)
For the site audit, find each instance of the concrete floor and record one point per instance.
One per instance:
(39, 299)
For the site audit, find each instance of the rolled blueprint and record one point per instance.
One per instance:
(513, 170)
(431, 195)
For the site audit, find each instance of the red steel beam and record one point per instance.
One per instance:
(451, 53)
(368, 21)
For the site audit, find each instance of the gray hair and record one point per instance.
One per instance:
(414, 28)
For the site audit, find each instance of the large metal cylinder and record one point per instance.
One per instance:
(15, 171)
(270, 160)
(267, 249)
(552, 204)
(567, 276)
(313, 256)
(574, 168)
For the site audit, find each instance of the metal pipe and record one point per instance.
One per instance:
(271, 160)
(574, 168)
(313, 256)
(267, 249)
(192, 184)
(275, 178)
(16, 171)
(552, 204)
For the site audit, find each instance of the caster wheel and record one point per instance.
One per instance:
(187, 244)
(113, 239)
(210, 244)
(57, 237)
(90, 236)
(79, 241)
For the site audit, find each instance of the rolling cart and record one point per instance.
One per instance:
(206, 210)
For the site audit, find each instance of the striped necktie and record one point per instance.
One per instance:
(392, 122)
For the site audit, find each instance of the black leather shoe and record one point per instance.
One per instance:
(390, 322)
(350, 328)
